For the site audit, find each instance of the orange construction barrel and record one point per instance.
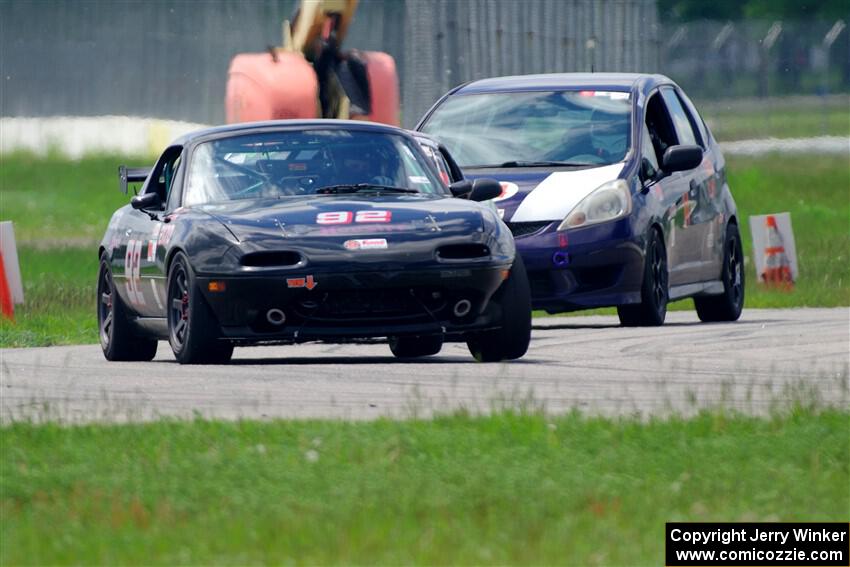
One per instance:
(260, 87)
(383, 87)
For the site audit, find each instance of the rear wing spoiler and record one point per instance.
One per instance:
(131, 175)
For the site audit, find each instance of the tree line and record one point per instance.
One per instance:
(734, 10)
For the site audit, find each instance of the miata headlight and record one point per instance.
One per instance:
(607, 202)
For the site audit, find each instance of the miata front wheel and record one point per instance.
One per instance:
(511, 340)
(192, 328)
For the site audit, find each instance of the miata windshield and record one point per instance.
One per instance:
(306, 162)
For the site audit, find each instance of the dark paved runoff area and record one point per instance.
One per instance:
(768, 359)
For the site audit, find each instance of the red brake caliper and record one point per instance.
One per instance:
(184, 314)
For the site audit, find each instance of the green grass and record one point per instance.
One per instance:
(816, 191)
(508, 488)
(59, 293)
(54, 201)
(60, 209)
(793, 117)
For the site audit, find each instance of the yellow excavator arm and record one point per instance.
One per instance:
(312, 16)
(310, 75)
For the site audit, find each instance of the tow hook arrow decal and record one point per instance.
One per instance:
(307, 282)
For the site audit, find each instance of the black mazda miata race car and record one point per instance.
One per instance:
(294, 231)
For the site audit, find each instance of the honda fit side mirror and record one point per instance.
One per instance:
(681, 158)
(485, 189)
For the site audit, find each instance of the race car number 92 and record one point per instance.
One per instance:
(132, 272)
(346, 217)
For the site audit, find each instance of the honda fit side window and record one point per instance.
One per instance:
(684, 130)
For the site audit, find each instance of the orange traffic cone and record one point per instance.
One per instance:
(7, 306)
(777, 268)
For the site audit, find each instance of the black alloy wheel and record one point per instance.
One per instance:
(728, 305)
(118, 339)
(655, 291)
(178, 308)
(511, 340)
(105, 308)
(193, 331)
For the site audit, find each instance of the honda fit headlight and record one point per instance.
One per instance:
(607, 202)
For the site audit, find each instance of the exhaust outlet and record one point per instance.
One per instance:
(462, 308)
(276, 317)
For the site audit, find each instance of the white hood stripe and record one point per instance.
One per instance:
(559, 193)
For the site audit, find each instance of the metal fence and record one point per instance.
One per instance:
(169, 58)
(453, 41)
(758, 58)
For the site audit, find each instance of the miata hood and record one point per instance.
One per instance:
(338, 216)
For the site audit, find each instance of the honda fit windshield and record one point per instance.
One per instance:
(528, 128)
(294, 163)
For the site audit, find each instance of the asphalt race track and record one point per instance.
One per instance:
(770, 358)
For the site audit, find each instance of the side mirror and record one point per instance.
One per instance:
(681, 158)
(461, 188)
(485, 189)
(146, 201)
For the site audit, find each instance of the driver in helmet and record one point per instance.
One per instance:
(609, 134)
(358, 164)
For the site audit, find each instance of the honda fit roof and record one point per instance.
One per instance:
(564, 81)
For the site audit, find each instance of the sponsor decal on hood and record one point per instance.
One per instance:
(366, 244)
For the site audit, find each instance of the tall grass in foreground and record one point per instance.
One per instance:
(506, 488)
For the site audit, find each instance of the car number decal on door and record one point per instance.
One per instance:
(132, 271)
